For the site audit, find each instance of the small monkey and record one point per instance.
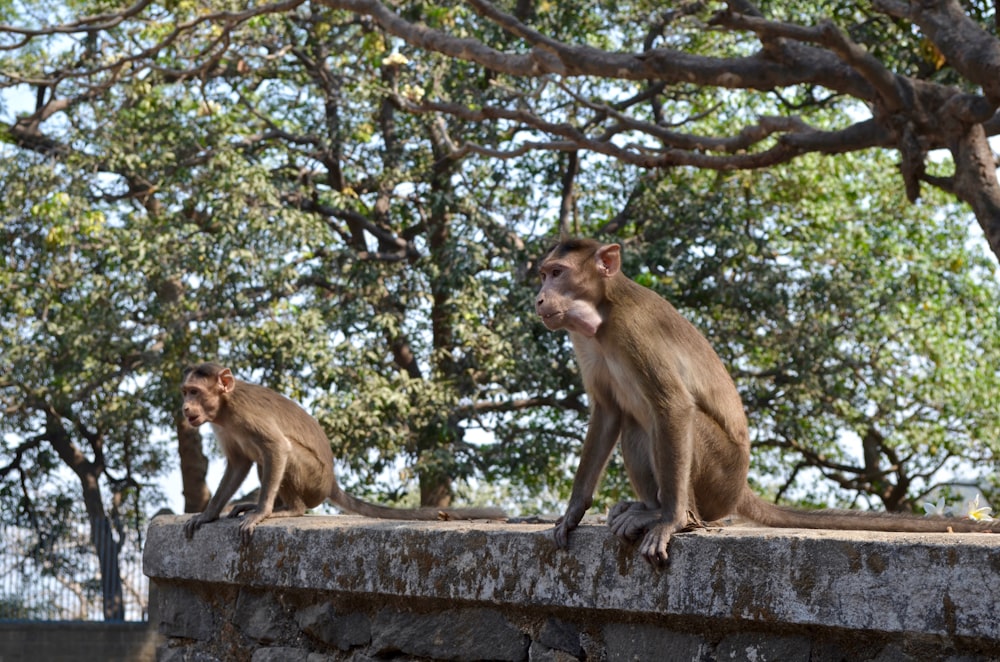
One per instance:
(656, 385)
(294, 460)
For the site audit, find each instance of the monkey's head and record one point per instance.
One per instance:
(205, 388)
(574, 282)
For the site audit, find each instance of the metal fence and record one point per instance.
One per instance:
(60, 578)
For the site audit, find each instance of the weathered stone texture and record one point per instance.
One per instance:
(452, 634)
(348, 588)
(344, 631)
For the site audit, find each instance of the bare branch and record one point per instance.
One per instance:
(85, 24)
(910, 114)
(827, 34)
(970, 49)
(552, 57)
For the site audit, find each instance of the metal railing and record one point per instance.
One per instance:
(61, 579)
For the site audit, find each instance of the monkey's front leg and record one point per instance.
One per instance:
(237, 468)
(672, 455)
(602, 434)
(271, 469)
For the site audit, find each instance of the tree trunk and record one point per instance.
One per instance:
(101, 528)
(435, 489)
(108, 550)
(194, 466)
(976, 182)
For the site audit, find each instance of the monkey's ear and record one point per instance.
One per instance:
(226, 380)
(609, 259)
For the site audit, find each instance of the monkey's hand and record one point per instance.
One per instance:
(629, 520)
(195, 523)
(565, 524)
(560, 534)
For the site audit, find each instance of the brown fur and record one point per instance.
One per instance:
(656, 384)
(255, 425)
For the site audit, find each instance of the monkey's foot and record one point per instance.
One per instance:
(629, 520)
(241, 508)
(249, 523)
(623, 506)
(654, 544)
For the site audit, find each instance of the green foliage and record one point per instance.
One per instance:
(279, 212)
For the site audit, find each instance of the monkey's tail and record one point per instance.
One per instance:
(754, 508)
(350, 503)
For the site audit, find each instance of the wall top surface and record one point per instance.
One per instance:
(946, 584)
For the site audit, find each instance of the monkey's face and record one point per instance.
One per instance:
(202, 400)
(552, 304)
(568, 296)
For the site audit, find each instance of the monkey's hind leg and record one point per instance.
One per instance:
(256, 513)
(241, 508)
(629, 520)
(250, 506)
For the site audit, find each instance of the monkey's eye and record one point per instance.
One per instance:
(555, 273)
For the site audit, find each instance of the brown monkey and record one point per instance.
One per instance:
(656, 384)
(294, 461)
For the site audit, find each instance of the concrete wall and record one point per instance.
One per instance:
(347, 588)
(75, 641)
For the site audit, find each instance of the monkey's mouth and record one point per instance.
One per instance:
(548, 319)
(194, 421)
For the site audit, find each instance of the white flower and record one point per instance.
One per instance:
(939, 509)
(979, 514)
(413, 93)
(396, 59)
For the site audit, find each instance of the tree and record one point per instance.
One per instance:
(911, 77)
(919, 76)
(289, 189)
(65, 378)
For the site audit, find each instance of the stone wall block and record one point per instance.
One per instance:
(183, 614)
(345, 631)
(562, 636)
(631, 642)
(260, 616)
(460, 635)
(538, 652)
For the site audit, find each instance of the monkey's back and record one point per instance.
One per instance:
(276, 421)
